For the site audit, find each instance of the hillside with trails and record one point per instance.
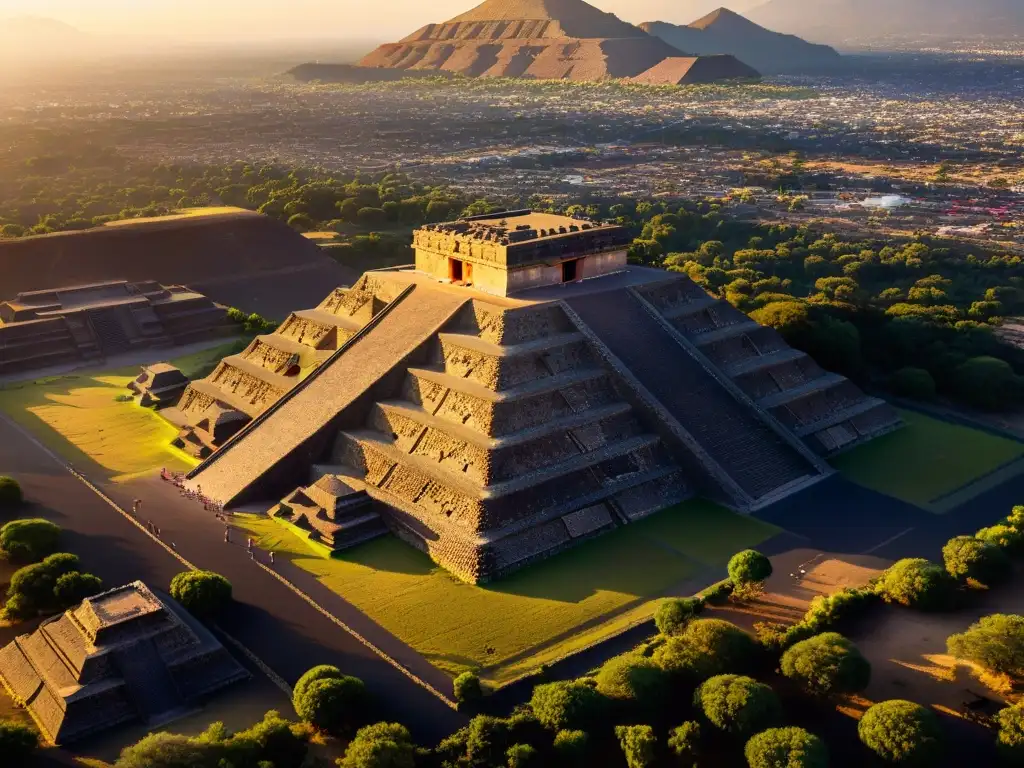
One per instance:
(542, 39)
(726, 32)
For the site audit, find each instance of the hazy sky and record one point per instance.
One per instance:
(378, 19)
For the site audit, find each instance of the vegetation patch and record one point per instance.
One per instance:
(508, 629)
(927, 459)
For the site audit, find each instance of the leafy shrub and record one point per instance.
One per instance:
(202, 593)
(28, 541)
(1015, 519)
(675, 613)
(10, 494)
(1005, 537)
(567, 705)
(638, 743)
(916, 583)
(31, 590)
(738, 705)
(521, 756)
(827, 664)
(684, 744)
(632, 678)
(383, 745)
(966, 557)
(334, 704)
(902, 732)
(718, 593)
(17, 742)
(468, 691)
(914, 383)
(1010, 741)
(749, 567)
(707, 647)
(72, 588)
(995, 642)
(786, 748)
(571, 747)
(321, 672)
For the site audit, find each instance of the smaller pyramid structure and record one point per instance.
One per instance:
(542, 39)
(724, 32)
(126, 655)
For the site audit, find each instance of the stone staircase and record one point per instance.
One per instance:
(147, 680)
(827, 411)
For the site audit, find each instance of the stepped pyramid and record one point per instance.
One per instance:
(544, 39)
(242, 386)
(523, 389)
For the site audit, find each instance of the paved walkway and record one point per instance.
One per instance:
(285, 632)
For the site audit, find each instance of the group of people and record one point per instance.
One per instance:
(178, 479)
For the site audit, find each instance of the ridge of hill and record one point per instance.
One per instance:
(725, 32)
(541, 39)
(867, 20)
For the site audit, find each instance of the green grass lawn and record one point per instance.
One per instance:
(927, 459)
(509, 628)
(78, 416)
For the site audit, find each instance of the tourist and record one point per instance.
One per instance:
(271, 557)
(249, 544)
(135, 507)
(227, 535)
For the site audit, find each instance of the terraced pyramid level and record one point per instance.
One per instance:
(492, 431)
(242, 386)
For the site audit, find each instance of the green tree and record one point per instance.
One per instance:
(632, 678)
(169, 750)
(684, 744)
(786, 748)
(675, 613)
(738, 705)
(994, 642)
(987, 382)
(468, 691)
(18, 743)
(301, 222)
(1010, 741)
(31, 590)
(521, 756)
(567, 705)
(827, 664)
(707, 647)
(638, 743)
(335, 705)
(28, 541)
(72, 588)
(571, 747)
(915, 383)
(383, 745)
(371, 217)
(321, 672)
(203, 593)
(10, 494)
(749, 567)
(1006, 537)
(916, 583)
(902, 732)
(966, 557)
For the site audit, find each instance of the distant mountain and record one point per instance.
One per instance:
(724, 31)
(840, 21)
(548, 39)
(37, 38)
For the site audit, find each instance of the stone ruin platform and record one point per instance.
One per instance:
(87, 323)
(126, 655)
(158, 386)
(495, 430)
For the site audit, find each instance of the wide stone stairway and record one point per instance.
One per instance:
(754, 454)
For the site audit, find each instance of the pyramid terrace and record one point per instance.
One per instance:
(520, 390)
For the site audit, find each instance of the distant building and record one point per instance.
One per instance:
(122, 656)
(89, 322)
(158, 385)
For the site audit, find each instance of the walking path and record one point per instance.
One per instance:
(288, 634)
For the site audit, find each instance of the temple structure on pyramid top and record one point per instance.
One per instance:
(520, 389)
